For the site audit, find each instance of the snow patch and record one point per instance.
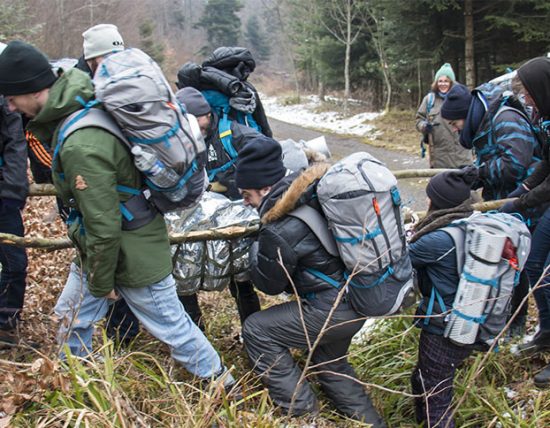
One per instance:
(304, 114)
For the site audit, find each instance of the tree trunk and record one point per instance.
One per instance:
(348, 54)
(322, 90)
(469, 43)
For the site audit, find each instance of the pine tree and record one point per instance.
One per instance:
(153, 49)
(221, 23)
(257, 39)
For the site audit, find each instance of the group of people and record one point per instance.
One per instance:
(507, 130)
(90, 166)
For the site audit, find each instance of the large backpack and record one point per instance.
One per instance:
(133, 90)
(220, 104)
(362, 208)
(491, 251)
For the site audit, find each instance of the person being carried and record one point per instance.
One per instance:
(444, 149)
(221, 171)
(113, 260)
(285, 250)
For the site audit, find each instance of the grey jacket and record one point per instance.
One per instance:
(14, 185)
(445, 149)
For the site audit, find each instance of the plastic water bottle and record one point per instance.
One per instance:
(161, 176)
(147, 162)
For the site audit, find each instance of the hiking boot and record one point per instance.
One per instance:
(540, 342)
(542, 379)
(8, 338)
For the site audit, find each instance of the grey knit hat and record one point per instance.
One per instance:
(194, 101)
(100, 40)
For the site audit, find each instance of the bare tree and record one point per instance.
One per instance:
(373, 24)
(339, 18)
(469, 43)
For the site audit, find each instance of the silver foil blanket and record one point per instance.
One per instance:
(209, 265)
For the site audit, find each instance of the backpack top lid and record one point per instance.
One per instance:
(234, 60)
(359, 171)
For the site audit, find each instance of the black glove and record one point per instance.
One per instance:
(521, 190)
(470, 174)
(427, 127)
(509, 208)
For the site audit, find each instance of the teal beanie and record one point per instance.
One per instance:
(445, 70)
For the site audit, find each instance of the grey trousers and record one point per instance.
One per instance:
(269, 334)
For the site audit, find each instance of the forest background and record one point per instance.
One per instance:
(382, 51)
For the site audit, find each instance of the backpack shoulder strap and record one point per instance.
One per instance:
(88, 118)
(457, 234)
(318, 225)
(431, 102)
(505, 107)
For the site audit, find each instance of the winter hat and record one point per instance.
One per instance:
(446, 70)
(24, 70)
(100, 40)
(535, 76)
(259, 163)
(449, 189)
(194, 101)
(456, 103)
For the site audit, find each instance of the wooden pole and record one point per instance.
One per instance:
(230, 232)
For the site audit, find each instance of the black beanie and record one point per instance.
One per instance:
(457, 103)
(259, 164)
(449, 189)
(194, 101)
(535, 76)
(24, 70)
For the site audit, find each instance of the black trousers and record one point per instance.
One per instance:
(14, 269)
(270, 334)
(520, 291)
(432, 379)
(242, 291)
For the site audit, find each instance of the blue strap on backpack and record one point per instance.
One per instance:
(219, 102)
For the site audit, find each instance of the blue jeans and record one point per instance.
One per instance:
(14, 269)
(538, 260)
(158, 309)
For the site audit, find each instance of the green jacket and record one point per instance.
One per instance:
(93, 162)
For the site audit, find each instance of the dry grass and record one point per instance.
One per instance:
(396, 131)
(140, 386)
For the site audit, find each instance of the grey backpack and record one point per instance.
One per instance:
(362, 207)
(491, 251)
(133, 90)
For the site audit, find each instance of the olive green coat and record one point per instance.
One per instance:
(445, 150)
(90, 165)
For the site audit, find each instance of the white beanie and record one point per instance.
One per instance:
(102, 39)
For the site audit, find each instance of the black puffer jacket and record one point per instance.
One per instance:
(13, 157)
(298, 246)
(218, 156)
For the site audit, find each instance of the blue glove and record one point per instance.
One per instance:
(509, 208)
(521, 190)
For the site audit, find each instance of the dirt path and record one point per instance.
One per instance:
(412, 190)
